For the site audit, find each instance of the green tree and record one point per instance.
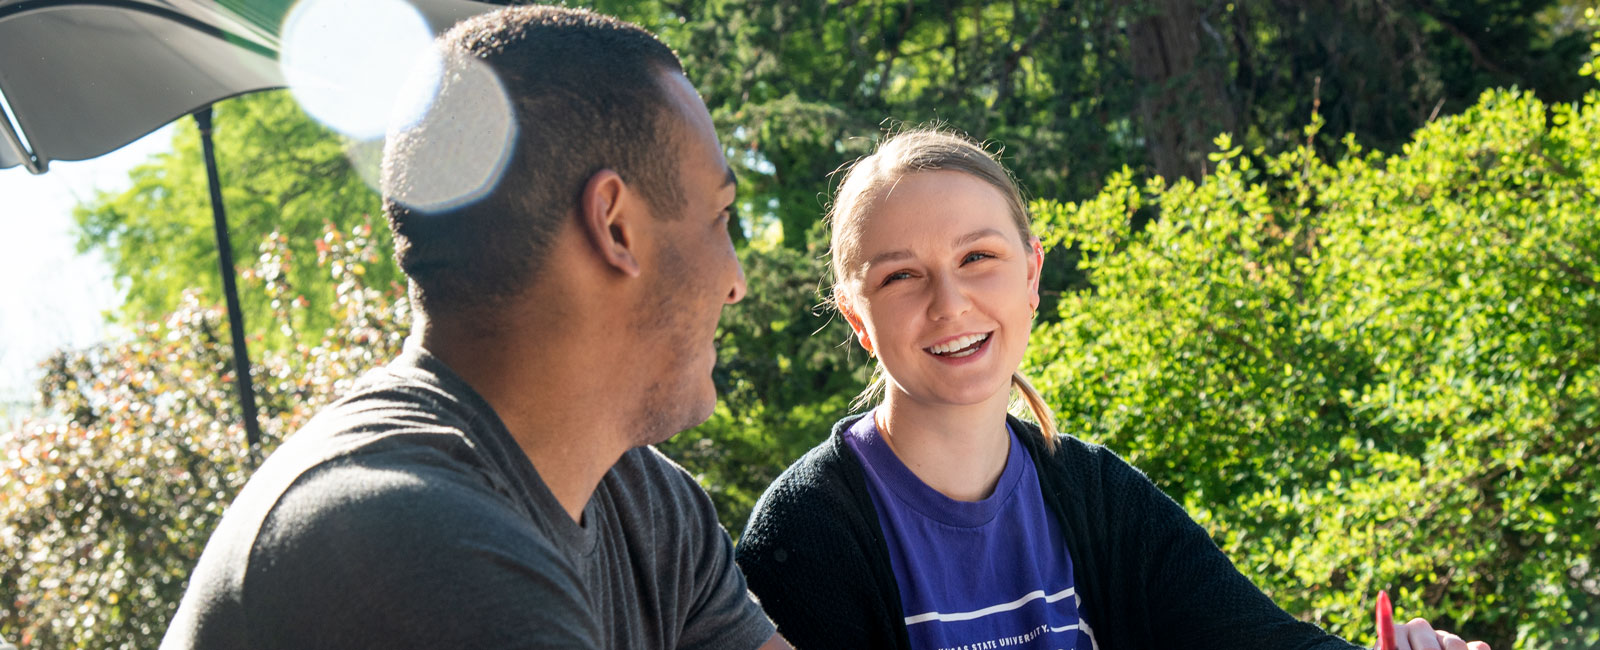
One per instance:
(1376, 372)
(1075, 91)
(280, 172)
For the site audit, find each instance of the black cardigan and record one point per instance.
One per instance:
(1149, 576)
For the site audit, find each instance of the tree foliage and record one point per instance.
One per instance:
(1077, 90)
(1074, 91)
(1376, 372)
(280, 173)
(108, 499)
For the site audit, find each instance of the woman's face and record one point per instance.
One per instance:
(942, 288)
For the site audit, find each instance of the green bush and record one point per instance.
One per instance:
(1382, 372)
(110, 495)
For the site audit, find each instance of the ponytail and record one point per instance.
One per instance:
(1040, 410)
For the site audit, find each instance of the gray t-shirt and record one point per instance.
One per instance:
(405, 515)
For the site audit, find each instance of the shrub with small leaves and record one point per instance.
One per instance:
(109, 496)
(1379, 372)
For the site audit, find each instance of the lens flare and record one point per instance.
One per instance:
(345, 61)
(458, 150)
(367, 68)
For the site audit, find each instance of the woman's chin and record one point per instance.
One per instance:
(975, 395)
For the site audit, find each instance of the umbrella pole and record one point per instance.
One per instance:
(241, 355)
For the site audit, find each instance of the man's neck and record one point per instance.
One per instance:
(549, 396)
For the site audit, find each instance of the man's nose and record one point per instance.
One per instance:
(739, 289)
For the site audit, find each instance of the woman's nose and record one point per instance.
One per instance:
(949, 299)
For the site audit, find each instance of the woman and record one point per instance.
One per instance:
(937, 520)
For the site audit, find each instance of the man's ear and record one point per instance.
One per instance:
(605, 216)
(856, 326)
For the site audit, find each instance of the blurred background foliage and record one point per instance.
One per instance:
(1362, 352)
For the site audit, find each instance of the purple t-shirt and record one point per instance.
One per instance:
(973, 575)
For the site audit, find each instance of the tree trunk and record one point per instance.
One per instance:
(1184, 102)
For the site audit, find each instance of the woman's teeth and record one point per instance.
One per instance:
(960, 347)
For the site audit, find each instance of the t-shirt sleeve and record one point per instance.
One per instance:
(721, 611)
(363, 557)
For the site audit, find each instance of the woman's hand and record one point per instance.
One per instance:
(1419, 635)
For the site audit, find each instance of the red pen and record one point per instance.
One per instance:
(1385, 622)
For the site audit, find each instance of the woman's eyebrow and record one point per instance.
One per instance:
(977, 235)
(903, 254)
(889, 256)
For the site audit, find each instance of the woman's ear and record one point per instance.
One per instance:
(1035, 269)
(856, 326)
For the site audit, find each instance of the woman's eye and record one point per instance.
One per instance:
(897, 275)
(973, 257)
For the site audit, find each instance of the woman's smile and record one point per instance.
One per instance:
(960, 349)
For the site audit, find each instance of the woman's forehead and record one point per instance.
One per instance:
(934, 206)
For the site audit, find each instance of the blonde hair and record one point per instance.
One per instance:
(921, 150)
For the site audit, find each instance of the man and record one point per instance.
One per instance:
(492, 487)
